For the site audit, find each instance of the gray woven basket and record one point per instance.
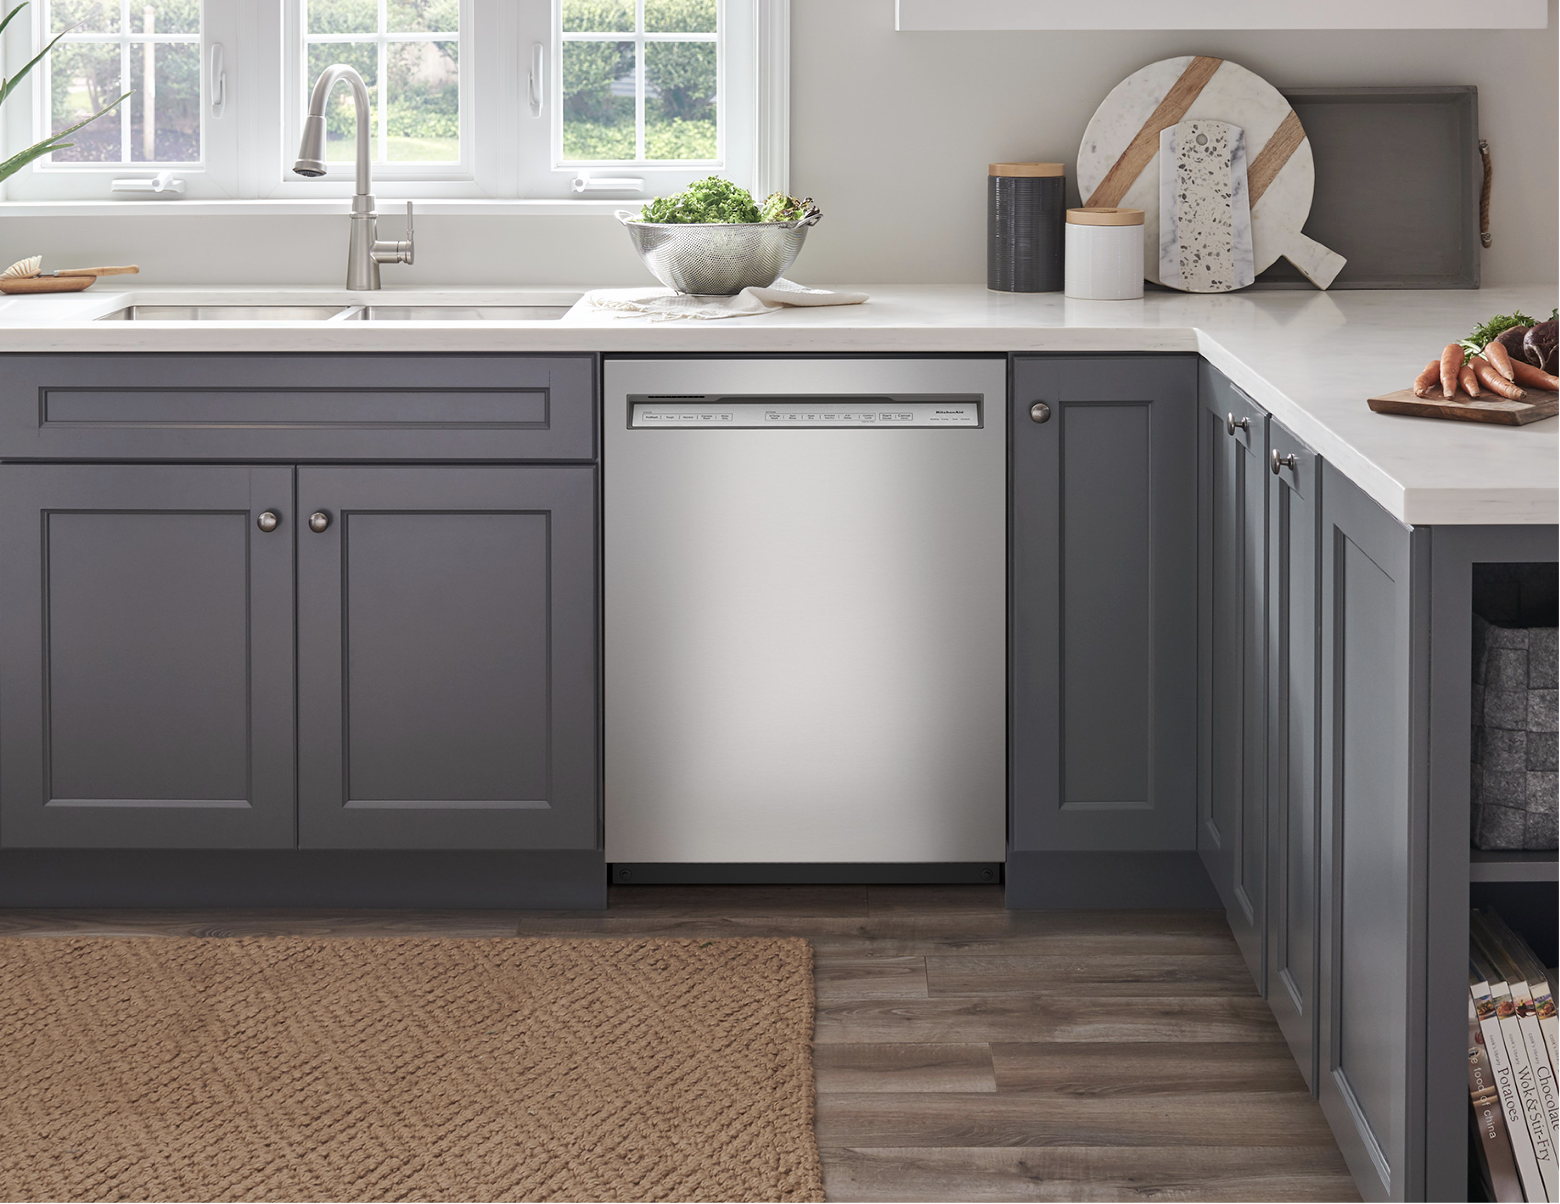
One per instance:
(717, 258)
(1515, 760)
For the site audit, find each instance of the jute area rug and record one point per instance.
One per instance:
(406, 1069)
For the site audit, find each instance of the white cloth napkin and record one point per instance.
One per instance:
(662, 304)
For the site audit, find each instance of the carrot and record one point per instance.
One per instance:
(1427, 379)
(1451, 360)
(1499, 358)
(1468, 381)
(1534, 378)
(1494, 381)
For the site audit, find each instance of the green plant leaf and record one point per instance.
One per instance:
(20, 160)
(7, 85)
(52, 143)
(6, 20)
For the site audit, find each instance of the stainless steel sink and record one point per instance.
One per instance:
(337, 313)
(459, 313)
(223, 313)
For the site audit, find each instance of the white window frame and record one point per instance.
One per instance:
(547, 173)
(477, 95)
(26, 120)
(249, 147)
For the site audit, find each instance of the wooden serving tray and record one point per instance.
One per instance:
(1488, 408)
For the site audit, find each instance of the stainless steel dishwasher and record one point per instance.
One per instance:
(804, 613)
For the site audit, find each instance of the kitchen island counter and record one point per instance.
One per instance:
(1310, 358)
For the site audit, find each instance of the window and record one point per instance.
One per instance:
(150, 48)
(637, 82)
(545, 100)
(408, 53)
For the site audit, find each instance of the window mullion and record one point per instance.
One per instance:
(382, 91)
(124, 81)
(639, 80)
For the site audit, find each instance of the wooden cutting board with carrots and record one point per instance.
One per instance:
(1502, 373)
(1484, 409)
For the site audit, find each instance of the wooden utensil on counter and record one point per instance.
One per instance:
(24, 277)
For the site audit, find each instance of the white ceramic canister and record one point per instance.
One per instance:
(1104, 254)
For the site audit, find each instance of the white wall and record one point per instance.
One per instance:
(891, 132)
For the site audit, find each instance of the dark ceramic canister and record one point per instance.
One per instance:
(1025, 213)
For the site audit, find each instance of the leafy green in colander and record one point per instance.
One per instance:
(714, 200)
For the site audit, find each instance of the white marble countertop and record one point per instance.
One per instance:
(1310, 358)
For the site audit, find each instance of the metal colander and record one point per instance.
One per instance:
(717, 258)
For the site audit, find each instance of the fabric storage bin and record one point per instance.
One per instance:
(1515, 782)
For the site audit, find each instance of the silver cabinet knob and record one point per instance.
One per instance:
(1039, 412)
(1232, 424)
(318, 521)
(269, 520)
(1279, 462)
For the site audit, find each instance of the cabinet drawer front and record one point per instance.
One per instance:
(297, 407)
(146, 656)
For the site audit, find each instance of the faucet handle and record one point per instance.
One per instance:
(383, 251)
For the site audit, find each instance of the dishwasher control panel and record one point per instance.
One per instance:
(649, 412)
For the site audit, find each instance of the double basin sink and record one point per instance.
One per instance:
(337, 313)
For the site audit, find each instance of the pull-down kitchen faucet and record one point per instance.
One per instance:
(366, 251)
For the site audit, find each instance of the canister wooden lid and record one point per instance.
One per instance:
(1103, 216)
(1027, 169)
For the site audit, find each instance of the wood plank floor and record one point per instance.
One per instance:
(963, 1052)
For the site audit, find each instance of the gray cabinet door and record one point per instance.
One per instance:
(1374, 703)
(1294, 745)
(1232, 833)
(1104, 604)
(146, 657)
(447, 652)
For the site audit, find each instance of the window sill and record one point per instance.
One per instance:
(323, 207)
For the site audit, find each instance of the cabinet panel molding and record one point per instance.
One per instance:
(1373, 783)
(146, 657)
(1103, 604)
(1294, 749)
(311, 407)
(1232, 737)
(448, 658)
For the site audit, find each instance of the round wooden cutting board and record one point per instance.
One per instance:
(1118, 162)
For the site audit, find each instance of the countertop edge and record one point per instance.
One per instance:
(1409, 472)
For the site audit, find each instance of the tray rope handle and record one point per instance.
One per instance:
(1484, 194)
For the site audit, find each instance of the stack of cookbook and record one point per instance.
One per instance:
(1511, 1063)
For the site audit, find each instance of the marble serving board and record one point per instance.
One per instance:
(1204, 216)
(1532, 408)
(1118, 157)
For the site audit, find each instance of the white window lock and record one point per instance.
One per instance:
(162, 182)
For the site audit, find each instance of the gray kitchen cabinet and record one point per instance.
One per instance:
(1232, 710)
(146, 657)
(1374, 736)
(201, 709)
(1103, 632)
(1294, 485)
(447, 658)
